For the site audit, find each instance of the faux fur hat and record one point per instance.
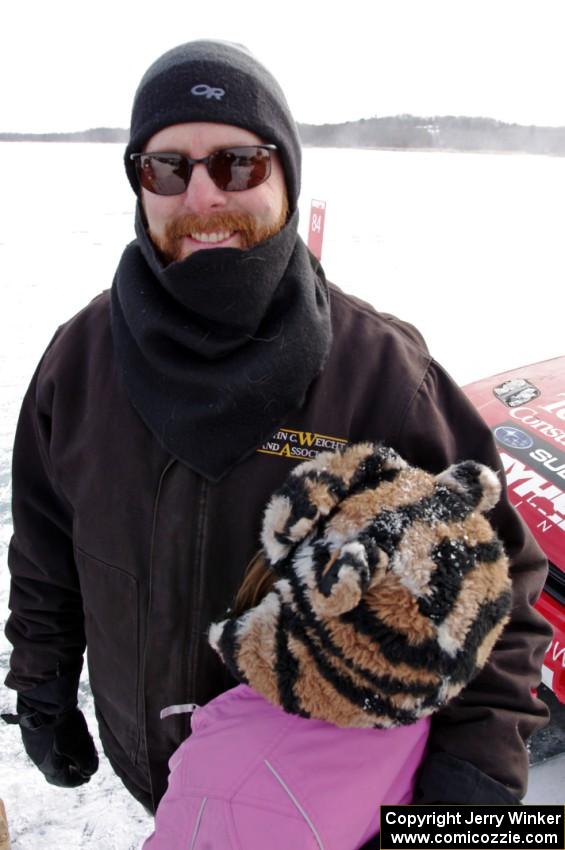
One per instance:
(391, 589)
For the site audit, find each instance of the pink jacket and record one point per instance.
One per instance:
(251, 777)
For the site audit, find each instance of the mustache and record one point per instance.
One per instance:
(251, 229)
(190, 223)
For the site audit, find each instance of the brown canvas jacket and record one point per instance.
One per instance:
(119, 546)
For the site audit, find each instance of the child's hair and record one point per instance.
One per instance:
(258, 580)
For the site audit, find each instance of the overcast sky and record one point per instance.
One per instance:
(68, 65)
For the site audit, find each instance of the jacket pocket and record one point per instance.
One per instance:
(111, 620)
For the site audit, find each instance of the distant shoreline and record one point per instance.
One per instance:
(448, 134)
(384, 148)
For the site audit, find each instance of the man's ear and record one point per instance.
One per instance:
(142, 209)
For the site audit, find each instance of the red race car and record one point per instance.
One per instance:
(525, 409)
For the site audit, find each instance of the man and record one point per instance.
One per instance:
(163, 416)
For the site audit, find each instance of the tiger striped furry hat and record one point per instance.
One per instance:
(391, 589)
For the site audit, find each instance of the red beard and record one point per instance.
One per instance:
(250, 231)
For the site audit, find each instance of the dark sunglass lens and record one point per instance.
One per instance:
(163, 174)
(237, 169)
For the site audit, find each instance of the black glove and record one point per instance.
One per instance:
(61, 746)
(446, 779)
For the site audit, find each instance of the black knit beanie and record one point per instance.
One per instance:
(219, 82)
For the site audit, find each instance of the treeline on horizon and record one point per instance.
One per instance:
(398, 132)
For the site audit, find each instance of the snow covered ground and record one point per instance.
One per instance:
(468, 247)
(547, 782)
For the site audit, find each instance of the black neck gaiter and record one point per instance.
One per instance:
(217, 349)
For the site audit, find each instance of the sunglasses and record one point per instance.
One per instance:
(231, 169)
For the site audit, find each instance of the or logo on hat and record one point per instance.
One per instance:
(202, 90)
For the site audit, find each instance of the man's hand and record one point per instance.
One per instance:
(446, 779)
(61, 747)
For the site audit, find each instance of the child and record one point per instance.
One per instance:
(380, 592)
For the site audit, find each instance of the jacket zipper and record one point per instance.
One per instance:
(197, 588)
(140, 708)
